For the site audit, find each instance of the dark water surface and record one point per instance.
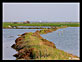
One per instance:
(66, 39)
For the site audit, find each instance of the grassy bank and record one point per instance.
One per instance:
(69, 24)
(31, 46)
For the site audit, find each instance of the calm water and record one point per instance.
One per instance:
(66, 39)
(9, 37)
(33, 26)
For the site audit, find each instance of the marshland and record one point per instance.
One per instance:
(64, 39)
(41, 31)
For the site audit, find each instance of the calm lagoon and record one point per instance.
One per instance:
(66, 39)
(9, 37)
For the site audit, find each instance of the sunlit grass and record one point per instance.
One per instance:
(42, 51)
(70, 24)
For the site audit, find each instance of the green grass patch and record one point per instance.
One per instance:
(70, 24)
(42, 49)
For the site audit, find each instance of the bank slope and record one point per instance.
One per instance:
(31, 46)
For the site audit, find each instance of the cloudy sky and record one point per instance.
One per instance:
(44, 12)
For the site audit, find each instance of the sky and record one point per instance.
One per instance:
(41, 12)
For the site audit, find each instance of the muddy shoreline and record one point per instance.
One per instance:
(31, 46)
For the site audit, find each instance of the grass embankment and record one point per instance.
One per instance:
(31, 46)
(69, 24)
